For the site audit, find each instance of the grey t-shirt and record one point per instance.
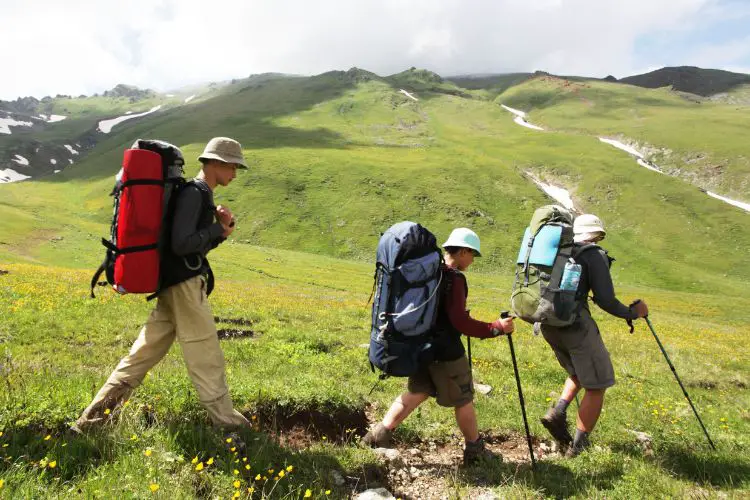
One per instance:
(187, 235)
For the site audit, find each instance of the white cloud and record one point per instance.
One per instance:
(87, 46)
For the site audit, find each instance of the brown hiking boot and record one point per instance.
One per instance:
(378, 437)
(476, 453)
(578, 447)
(557, 425)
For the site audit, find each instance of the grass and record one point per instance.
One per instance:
(696, 139)
(335, 159)
(311, 311)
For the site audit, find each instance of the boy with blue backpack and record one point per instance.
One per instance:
(442, 369)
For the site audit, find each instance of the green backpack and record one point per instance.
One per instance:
(546, 274)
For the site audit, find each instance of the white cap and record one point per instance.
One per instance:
(588, 223)
(464, 238)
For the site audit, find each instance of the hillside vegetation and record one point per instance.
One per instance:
(334, 160)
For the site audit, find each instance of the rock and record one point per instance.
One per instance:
(390, 455)
(414, 452)
(544, 447)
(375, 494)
(364, 346)
(414, 472)
(337, 478)
(482, 388)
(641, 437)
(487, 495)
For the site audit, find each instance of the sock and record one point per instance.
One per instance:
(581, 439)
(562, 406)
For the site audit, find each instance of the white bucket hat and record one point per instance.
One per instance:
(587, 227)
(464, 238)
(224, 149)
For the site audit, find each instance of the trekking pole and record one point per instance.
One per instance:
(468, 340)
(671, 366)
(505, 314)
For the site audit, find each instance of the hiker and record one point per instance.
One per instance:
(448, 378)
(579, 347)
(182, 311)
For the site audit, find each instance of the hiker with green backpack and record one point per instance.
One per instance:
(558, 265)
(447, 375)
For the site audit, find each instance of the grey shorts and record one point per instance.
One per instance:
(450, 382)
(580, 350)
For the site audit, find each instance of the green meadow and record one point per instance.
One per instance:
(335, 160)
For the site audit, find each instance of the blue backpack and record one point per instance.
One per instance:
(406, 293)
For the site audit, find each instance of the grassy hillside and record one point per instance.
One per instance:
(335, 159)
(698, 140)
(700, 81)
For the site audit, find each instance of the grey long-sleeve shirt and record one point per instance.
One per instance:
(191, 234)
(596, 278)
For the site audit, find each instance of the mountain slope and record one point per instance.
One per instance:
(699, 141)
(700, 81)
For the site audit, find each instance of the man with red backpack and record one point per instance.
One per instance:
(182, 311)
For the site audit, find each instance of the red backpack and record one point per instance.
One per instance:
(152, 172)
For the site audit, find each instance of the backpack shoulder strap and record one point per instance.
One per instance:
(205, 193)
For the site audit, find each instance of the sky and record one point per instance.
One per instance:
(48, 47)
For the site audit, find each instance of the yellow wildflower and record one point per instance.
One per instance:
(153, 487)
(281, 474)
(229, 440)
(236, 472)
(52, 464)
(233, 448)
(2, 483)
(236, 494)
(107, 411)
(148, 452)
(250, 490)
(257, 478)
(194, 460)
(1, 433)
(308, 493)
(328, 492)
(236, 484)
(290, 468)
(247, 466)
(48, 437)
(210, 461)
(244, 459)
(324, 438)
(134, 438)
(199, 467)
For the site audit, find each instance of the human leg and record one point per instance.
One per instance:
(149, 348)
(196, 333)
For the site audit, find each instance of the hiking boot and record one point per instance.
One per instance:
(378, 437)
(578, 447)
(557, 425)
(476, 453)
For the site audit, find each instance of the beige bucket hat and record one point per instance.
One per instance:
(224, 149)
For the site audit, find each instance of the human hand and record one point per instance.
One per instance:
(639, 308)
(225, 216)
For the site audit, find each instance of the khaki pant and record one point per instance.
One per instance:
(181, 312)
(449, 382)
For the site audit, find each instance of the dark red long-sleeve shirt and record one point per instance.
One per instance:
(454, 320)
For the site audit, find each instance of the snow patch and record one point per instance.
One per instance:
(51, 118)
(522, 122)
(520, 118)
(7, 122)
(649, 166)
(21, 160)
(53, 161)
(407, 94)
(70, 148)
(56, 171)
(128, 112)
(739, 204)
(70, 160)
(10, 175)
(628, 149)
(560, 195)
(106, 126)
(188, 99)
(516, 112)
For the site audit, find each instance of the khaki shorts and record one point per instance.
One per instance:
(448, 381)
(580, 350)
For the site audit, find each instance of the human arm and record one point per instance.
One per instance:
(461, 319)
(186, 237)
(602, 288)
